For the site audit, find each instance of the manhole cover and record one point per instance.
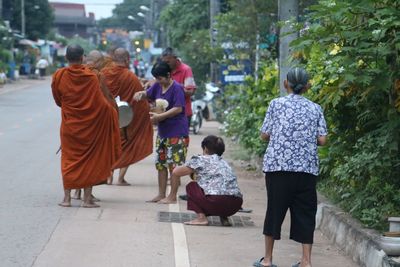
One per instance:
(180, 217)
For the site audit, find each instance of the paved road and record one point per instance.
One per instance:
(125, 231)
(28, 141)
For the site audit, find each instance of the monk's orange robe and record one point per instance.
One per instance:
(104, 89)
(137, 138)
(107, 62)
(90, 142)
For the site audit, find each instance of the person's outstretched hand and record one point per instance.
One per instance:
(139, 95)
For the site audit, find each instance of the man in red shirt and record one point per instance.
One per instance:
(182, 74)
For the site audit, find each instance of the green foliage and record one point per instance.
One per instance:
(38, 17)
(243, 22)
(251, 99)
(187, 25)
(85, 44)
(52, 35)
(5, 45)
(352, 51)
(5, 57)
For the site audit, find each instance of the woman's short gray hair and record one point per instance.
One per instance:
(297, 79)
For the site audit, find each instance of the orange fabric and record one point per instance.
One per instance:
(139, 142)
(89, 130)
(104, 89)
(108, 62)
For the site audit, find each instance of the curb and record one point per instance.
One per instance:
(349, 236)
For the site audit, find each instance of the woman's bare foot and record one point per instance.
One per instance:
(198, 221)
(123, 183)
(110, 180)
(156, 199)
(167, 200)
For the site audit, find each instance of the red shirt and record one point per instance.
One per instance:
(183, 74)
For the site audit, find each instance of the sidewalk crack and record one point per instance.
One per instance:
(47, 242)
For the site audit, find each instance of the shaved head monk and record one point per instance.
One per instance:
(137, 137)
(95, 61)
(108, 59)
(89, 123)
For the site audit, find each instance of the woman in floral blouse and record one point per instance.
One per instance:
(294, 127)
(215, 191)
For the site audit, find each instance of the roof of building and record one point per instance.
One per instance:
(71, 13)
(68, 9)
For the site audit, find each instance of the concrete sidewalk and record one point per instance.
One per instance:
(125, 231)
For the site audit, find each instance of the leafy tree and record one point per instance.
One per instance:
(187, 24)
(5, 53)
(243, 22)
(38, 17)
(246, 23)
(85, 44)
(120, 15)
(352, 51)
(250, 99)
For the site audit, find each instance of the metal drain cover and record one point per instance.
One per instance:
(180, 217)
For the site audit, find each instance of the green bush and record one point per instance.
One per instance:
(5, 56)
(245, 107)
(352, 51)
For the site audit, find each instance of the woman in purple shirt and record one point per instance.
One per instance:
(173, 132)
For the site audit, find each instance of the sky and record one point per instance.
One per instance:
(101, 8)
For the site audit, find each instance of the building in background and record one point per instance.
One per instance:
(70, 20)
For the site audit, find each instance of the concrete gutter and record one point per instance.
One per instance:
(349, 236)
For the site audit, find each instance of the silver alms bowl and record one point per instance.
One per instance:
(125, 113)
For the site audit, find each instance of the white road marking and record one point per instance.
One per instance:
(180, 244)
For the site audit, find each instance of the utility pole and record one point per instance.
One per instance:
(23, 17)
(288, 10)
(215, 8)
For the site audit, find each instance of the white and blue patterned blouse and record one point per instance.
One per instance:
(294, 124)
(214, 175)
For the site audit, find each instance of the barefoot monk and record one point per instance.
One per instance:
(137, 137)
(89, 145)
(95, 61)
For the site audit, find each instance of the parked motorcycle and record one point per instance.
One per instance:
(202, 108)
(197, 117)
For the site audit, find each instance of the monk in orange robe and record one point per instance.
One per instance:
(89, 145)
(137, 137)
(95, 61)
(108, 58)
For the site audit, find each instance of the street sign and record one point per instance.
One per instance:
(235, 72)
